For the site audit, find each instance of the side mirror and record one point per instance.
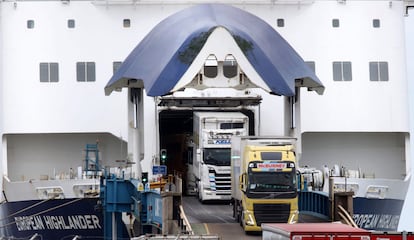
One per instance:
(198, 156)
(242, 184)
(299, 181)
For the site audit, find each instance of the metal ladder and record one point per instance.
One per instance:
(92, 163)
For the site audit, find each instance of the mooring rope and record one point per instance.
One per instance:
(45, 211)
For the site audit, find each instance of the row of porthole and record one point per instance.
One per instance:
(280, 22)
(378, 70)
(71, 23)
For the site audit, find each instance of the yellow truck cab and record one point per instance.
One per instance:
(264, 188)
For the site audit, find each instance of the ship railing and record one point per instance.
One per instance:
(153, 2)
(183, 222)
(314, 203)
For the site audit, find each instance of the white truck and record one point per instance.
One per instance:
(209, 172)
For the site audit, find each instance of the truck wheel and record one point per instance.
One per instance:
(242, 220)
(196, 191)
(200, 196)
(236, 213)
(239, 211)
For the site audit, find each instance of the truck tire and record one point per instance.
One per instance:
(233, 203)
(200, 196)
(236, 212)
(242, 221)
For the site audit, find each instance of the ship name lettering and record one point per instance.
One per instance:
(366, 220)
(377, 221)
(388, 221)
(72, 222)
(29, 223)
(25, 223)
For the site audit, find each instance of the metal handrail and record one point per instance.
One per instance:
(185, 223)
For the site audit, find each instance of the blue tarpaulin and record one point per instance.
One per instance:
(160, 60)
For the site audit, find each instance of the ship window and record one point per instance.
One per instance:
(376, 23)
(30, 24)
(217, 156)
(335, 23)
(190, 156)
(85, 71)
(210, 66)
(311, 65)
(378, 71)
(230, 66)
(127, 23)
(71, 23)
(342, 71)
(231, 125)
(280, 22)
(49, 72)
(115, 66)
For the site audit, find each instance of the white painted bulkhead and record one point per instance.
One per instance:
(57, 153)
(3, 158)
(406, 214)
(37, 119)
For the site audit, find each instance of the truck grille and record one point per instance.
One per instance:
(220, 182)
(271, 213)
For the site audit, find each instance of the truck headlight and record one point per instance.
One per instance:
(249, 218)
(294, 217)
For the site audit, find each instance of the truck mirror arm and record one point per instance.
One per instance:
(241, 182)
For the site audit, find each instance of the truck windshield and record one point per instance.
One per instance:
(272, 181)
(217, 156)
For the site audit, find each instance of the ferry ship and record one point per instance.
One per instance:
(60, 60)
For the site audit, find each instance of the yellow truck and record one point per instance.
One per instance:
(264, 187)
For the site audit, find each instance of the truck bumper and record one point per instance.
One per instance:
(252, 228)
(212, 195)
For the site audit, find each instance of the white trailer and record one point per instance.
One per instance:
(209, 173)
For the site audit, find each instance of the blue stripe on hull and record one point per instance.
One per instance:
(377, 214)
(52, 219)
(368, 213)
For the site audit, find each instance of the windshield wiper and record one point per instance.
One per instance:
(270, 195)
